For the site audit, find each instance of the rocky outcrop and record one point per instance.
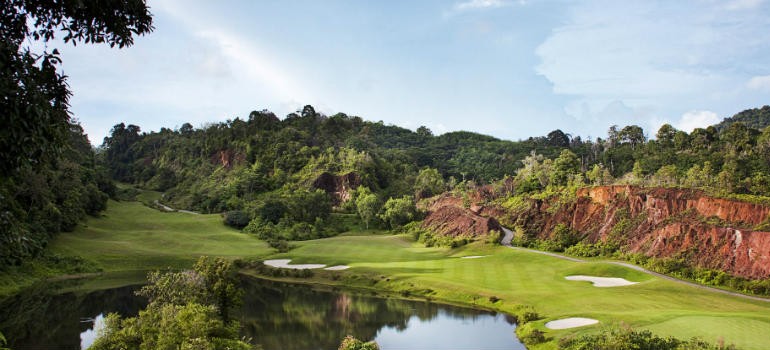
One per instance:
(454, 221)
(340, 187)
(709, 232)
(448, 216)
(228, 158)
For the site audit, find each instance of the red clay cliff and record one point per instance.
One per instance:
(709, 232)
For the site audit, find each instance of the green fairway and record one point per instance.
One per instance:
(131, 237)
(520, 277)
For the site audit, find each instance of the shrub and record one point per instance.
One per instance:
(616, 338)
(529, 334)
(351, 343)
(588, 250)
(494, 236)
(525, 315)
(236, 218)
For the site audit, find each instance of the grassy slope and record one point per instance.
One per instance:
(132, 237)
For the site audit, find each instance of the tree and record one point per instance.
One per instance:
(558, 138)
(599, 175)
(34, 97)
(367, 206)
(187, 310)
(186, 129)
(119, 154)
(398, 211)
(423, 131)
(633, 135)
(665, 135)
(428, 183)
(564, 167)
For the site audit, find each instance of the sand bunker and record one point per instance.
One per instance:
(602, 281)
(571, 322)
(284, 264)
(472, 256)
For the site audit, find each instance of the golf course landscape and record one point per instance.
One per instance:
(131, 238)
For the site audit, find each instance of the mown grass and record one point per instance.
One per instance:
(131, 237)
(518, 277)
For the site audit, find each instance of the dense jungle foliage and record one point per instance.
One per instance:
(48, 178)
(272, 170)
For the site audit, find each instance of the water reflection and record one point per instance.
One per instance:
(88, 336)
(275, 316)
(38, 318)
(295, 317)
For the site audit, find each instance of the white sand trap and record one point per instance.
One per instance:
(284, 264)
(602, 281)
(472, 256)
(571, 322)
(337, 268)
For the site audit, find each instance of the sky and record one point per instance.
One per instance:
(507, 68)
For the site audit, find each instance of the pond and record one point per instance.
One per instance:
(277, 316)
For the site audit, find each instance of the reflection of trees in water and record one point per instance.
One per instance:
(285, 316)
(276, 315)
(37, 318)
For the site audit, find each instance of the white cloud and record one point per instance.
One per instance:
(249, 60)
(479, 4)
(761, 82)
(743, 4)
(697, 119)
(626, 51)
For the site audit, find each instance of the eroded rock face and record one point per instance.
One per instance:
(711, 232)
(227, 158)
(447, 216)
(338, 186)
(451, 220)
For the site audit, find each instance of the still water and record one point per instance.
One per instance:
(274, 315)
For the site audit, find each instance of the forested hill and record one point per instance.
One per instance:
(230, 165)
(217, 167)
(757, 118)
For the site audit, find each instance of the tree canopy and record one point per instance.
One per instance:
(49, 179)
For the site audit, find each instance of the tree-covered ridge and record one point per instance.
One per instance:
(756, 118)
(281, 178)
(223, 166)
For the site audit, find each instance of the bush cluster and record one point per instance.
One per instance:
(616, 338)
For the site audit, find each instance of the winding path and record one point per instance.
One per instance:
(508, 237)
(170, 209)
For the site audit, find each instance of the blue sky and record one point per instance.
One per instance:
(507, 68)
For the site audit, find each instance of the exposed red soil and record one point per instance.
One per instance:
(228, 158)
(456, 221)
(660, 222)
(338, 186)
